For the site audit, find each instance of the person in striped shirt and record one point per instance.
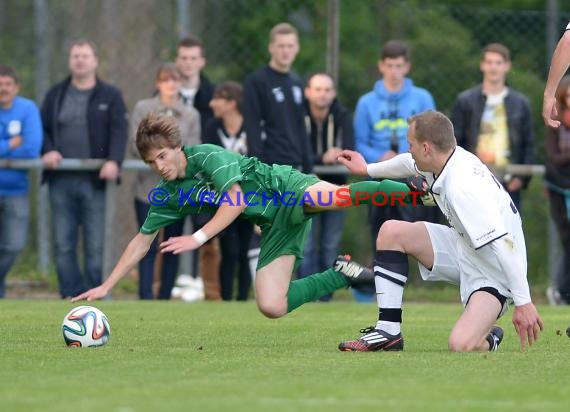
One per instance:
(278, 198)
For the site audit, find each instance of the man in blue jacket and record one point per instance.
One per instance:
(381, 124)
(83, 118)
(20, 138)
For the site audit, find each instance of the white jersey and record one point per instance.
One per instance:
(473, 201)
(479, 210)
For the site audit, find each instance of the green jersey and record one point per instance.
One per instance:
(211, 171)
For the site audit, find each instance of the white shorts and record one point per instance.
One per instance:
(457, 264)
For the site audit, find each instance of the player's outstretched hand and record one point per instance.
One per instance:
(179, 244)
(353, 161)
(92, 294)
(528, 324)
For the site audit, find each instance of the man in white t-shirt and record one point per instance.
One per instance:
(483, 251)
(197, 91)
(494, 121)
(558, 67)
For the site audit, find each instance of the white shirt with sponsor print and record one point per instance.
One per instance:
(476, 206)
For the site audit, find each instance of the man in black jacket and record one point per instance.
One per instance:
(495, 122)
(273, 105)
(83, 118)
(329, 127)
(197, 90)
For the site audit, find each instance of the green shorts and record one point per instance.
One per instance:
(288, 232)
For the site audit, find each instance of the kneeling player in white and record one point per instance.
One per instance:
(483, 251)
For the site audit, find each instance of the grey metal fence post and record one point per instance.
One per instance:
(333, 12)
(552, 29)
(109, 235)
(185, 260)
(183, 18)
(43, 228)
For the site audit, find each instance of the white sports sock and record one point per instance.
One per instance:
(389, 296)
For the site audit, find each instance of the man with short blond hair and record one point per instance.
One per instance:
(482, 250)
(273, 105)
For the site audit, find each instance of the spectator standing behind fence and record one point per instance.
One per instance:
(226, 130)
(166, 102)
(557, 179)
(83, 117)
(20, 138)
(273, 105)
(494, 121)
(558, 66)
(197, 91)
(329, 127)
(381, 125)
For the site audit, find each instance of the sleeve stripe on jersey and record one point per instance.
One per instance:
(223, 167)
(231, 182)
(168, 217)
(206, 158)
(492, 240)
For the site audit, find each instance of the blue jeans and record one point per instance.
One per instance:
(77, 203)
(14, 216)
(322, 244)
(169, 260)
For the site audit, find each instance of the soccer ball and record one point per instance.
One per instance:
(85, 326)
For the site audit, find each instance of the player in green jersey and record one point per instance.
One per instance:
(278, 198)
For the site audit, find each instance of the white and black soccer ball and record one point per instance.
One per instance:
(85, 326)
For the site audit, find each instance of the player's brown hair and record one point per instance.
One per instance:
(434, 127)
(282, 28)
(157, 131)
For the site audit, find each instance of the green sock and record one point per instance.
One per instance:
(313, 287)
(384, 193)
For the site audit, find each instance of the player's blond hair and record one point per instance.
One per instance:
(434, 127)
(157, 131)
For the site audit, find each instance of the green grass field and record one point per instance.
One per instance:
(171, 356)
